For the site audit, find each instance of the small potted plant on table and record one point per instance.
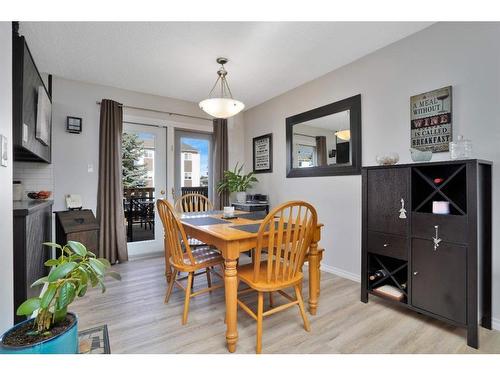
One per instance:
(54, 330)
(236, 182)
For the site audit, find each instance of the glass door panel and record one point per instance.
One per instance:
(144, 181)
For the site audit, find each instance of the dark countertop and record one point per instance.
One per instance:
(23, 208)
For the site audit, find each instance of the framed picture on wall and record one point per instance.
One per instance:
(263, 153)
(431, 120)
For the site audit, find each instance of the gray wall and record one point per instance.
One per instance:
(464, 55)
(73, 153)
(6, 281)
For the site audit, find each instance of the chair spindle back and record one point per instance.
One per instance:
(175, 236)
(290, 229)
(193, 203)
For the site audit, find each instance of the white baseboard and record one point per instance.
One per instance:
(341, 273)
(495, 324)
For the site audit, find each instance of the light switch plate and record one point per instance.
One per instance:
(4, 150)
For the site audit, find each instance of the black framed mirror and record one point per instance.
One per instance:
(325, 141)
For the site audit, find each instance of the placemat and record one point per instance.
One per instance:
(201, 213)
(254, 228)
(94, 340)
(207, 220)
(256, 215)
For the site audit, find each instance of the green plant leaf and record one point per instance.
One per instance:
(97, 266)
(77, 248)
(40, 281)
(48, 295)
(93, 278)
(103, 287)
(52, 244)
(66, 295)
(114, 275)
(83, 275)
(91, 254)
(28, 306)
(51, 262)
(61, 271)
(105, 262)
(60, 314)
(82, 290)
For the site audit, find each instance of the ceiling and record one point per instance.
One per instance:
(177, 59)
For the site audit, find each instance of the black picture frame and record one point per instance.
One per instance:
(257, 139)
(73, 128)
(353, 104)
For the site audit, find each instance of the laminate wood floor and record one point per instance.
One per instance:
(139, 322)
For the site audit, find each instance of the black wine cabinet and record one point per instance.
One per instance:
(427, 226)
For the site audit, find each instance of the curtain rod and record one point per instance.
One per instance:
(158, 111)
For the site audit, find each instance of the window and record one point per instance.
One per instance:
(188, 175)
(187, 156)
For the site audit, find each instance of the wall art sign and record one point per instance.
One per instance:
(263, 154)
(431, 120)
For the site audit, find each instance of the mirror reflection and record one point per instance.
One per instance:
(322, 141)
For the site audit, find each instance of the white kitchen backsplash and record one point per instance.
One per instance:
(34, 176)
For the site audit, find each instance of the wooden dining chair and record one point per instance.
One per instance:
(185, 259)
(193, 202)
(285, 235)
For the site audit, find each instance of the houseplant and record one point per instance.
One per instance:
(236, 182)
(54, 329)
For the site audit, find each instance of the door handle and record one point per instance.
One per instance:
(402, 210)
(436, 239)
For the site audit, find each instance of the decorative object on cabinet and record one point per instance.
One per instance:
(32, 227)
(431, 120)
(263, 153)
(461, 149)
(40, 195)
(420, 156)
(311, 134)
(441, 263)
(26, 86)
(78, 226)
(74, 124)
(387, 159)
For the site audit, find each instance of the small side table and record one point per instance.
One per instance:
(250, 207)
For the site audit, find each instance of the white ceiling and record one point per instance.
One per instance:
(177, 59)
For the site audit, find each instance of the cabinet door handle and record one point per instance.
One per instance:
(402, 210)
(436, 239)
(415, 273)
(386, 244)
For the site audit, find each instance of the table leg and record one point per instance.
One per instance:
(231, 286)
(313, 277)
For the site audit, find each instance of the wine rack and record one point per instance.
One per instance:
(428, 227)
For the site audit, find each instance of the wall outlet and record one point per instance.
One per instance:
(25, 133)
(90, 168)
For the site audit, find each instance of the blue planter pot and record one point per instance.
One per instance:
(64, 343)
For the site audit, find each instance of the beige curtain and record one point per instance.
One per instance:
(220, 160)
(321, 150)
(112, 236)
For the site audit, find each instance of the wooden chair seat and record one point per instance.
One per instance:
(203, 257)
(246, 274)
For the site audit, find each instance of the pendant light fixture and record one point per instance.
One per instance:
(220, 102)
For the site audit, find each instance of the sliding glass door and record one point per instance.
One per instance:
(144, 181)
(193, 163)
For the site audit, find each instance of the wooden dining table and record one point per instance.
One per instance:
(212, 229)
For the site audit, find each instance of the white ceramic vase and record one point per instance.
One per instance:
(241, 196)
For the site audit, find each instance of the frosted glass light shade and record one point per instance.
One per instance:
(221, 107)
(345, 135)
